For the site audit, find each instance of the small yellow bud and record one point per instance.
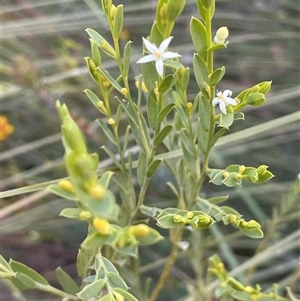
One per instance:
(102, 107)
(144, 88)
(190, 214)
(111, 121)
(66, 186)
(112, 12)
(124, 91)
(226, 174)
(140, 230)
(178, 219)
(84, 215)
(163, 13)
(118, 296)
(105, 82)
(249, 289)
(101, 225)
(5, 128)
(97, 191)
(221, 35)
(242, 168)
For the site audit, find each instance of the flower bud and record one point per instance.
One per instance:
(124, 91)
(97, 191)
(111, 121)
(101, 225)
(221, 35)
(118, 296)
(100, 105)
(140, 230)
(84, 215)
(66, 186)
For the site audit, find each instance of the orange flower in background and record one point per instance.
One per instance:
(5, 127)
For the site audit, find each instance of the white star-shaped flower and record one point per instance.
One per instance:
(158, 55)
(223, 99)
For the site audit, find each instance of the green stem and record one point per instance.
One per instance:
(55, 291)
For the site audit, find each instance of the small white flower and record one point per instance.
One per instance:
(158, 55)
(223, 100)
(221, 35)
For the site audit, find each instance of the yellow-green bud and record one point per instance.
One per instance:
(112, 12)
(124, 91)
(118, 296)
(97, 191)
(140, 230)
(221, 35)
(66, 186)
(190, 214)
(100, 105)
(249, 289)
(101, 225)
(111, 121)
(84, 215)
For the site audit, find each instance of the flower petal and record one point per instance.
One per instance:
(159, 67)
(231, 101)
(169, 55)
(223, 107)
(146, 59)
(164, 44)
(227, 93)
(215, 101)
(150, 47)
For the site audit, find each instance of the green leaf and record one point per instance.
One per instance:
(95, 53)
(218, 199)
(201, 74)
(94, 240)
(84, 260)
(118, 21)
(128, 296)
(160, 17)
(226, 120)
(151, 238)
(116, 280)
(256, 99)
(165, 111)
(173, 64)
(107, 75)
(265, 177)
(253, 233)
(153, 167)
(159, 138)
(152, 109)
(22, 268)
(155, 35)
(101, 42)
(215, 47)
(92, 290)
(67, 283)
(141, 167)
(22, 281)
(150, 75)
(231, 180)
(198, 34)
(105, 179)
(217, 177)
(216, 76)
(4, 265)
(167, 222)
(112, 156)
(126, 58)
(93, 98)
(109, 266)
(54, 188)
(174, 9)
(167, 83)
(70, 212)
(107, 131)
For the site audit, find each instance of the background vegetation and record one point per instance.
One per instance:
(42, 53)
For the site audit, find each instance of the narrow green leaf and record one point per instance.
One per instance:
(165, 111)
(67, 283)
(118, 21)
(105, 179)
(95, 53)
(112, 155)
(125, 294)
(155, 35)
(161, 15)
(153, 167)
(150, 76)
(70, 212)
(93, 98)
(92, 290)
(22, 268)
(126, 58)
(141, 167)
(107, 131)
(23, 281)
(162, 134)
(167, 83)
(54, 188)
(152, 110)
(101, 42)
(116, 280)
(201, 73)
(94, 240)
(107, 75)
(173, 64)
(198, 34)
(109, 266)
(4, 264)
(216, 76)
(253, 233)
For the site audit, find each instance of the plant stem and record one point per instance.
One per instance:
(55, 291)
